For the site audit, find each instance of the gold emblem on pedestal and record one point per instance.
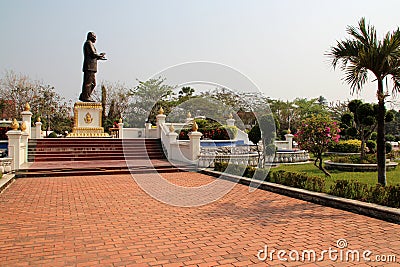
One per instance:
(88, 118)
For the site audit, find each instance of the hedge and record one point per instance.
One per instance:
(293, 179)
(378, 194)
(218, 133)
(346, 146)
(382, 195)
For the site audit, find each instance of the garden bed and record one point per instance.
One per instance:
(353, 167)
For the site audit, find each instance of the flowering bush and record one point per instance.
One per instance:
(218, 133)
(315, 134)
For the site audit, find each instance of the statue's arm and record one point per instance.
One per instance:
(93, 52)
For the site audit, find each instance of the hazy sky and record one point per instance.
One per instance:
(279, 45)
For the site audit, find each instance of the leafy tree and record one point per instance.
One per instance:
(362, 54)
(255, 137)
(268, 135)
(115, 98)
(361, 122)
(315, 134)
(146, 98)
(19, 89)
(186, 91)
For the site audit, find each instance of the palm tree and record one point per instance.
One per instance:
(361, 55)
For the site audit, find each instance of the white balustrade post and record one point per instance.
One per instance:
(14, 145)
(289, 139)
(27, 118)
(38, 129)
(121, 129)
(147, 128)
(194, 144)
(171, 137)
(230, 121)
(24, 148)
(160, 121)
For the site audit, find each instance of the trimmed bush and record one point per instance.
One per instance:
(371, 144)
(346, 146)
(378, 194)
(218, 133)
(355, 159)
(374, 135)
(387, 196)
(390, 138)
(52, 135)
(389, 147)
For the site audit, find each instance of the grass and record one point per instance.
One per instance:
(370, 178)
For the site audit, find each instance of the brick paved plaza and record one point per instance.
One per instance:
(110, 221)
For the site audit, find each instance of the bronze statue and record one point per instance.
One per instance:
(90, 67)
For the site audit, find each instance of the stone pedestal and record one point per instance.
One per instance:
(14, 146)
(289, 138)
(27, 118)
(87, 120)
(38, 130)
(160, 120)
(194, 144)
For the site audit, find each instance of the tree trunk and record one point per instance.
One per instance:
(362, 146)
(320, 166)
(380, 141)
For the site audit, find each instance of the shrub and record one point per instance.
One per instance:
(389, 147)
(374, 135)
(390, 138)
(299, 180)
(378, 194)
(349, 189)
(355, 159)
(346, 146)
(52, 135)
(220, 166)
(371, 144)
(218, 133)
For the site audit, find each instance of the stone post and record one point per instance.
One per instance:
(289, 139)
(27, 118)
(38, 129)
(171, 136)
(24, 148)
(147, 128)
(160, 121)
(14, 145)
(121, 129)
(194, 144)
(230, 121)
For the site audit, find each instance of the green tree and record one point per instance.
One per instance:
(315, 134)
(268, 134)
(362, 54)
(362, 121)
(255, 137)
(146, 98)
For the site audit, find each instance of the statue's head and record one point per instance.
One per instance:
(91, 36)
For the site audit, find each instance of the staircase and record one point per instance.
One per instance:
(94, 156)
(84, 149)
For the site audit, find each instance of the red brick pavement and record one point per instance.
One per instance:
(110, 221)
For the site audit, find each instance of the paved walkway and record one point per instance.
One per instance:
(110, 221)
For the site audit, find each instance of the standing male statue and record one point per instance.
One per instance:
(90, 67)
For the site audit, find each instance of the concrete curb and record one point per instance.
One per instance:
(355, 206)
(6, 180)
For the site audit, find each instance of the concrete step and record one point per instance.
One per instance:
(93, 149)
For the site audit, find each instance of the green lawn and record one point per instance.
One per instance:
(371, 178)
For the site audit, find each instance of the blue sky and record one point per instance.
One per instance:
(279, 45)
